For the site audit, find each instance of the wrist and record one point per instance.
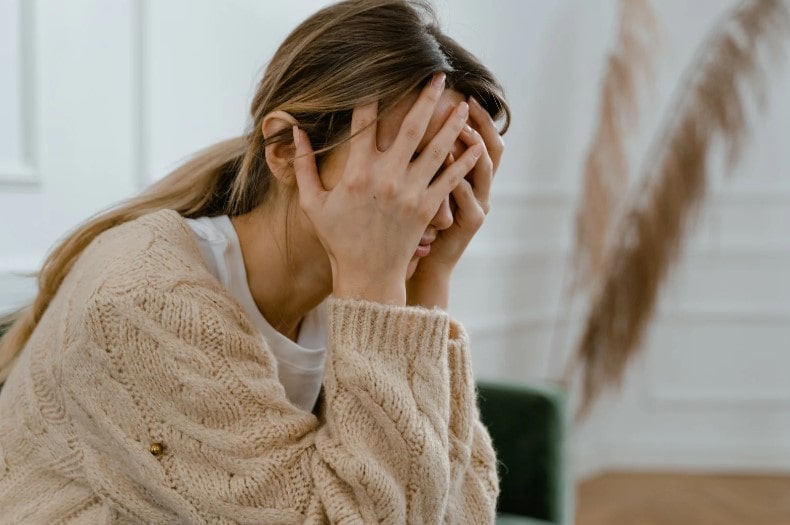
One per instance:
(429, 290)
(385, 291)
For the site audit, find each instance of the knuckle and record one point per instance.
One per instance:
(355, 181)
(363, 123)
(499, 144)
(307, 202)
(387, 188)
(432, 95)
(460, 122)
(477, 214)
(488, 164)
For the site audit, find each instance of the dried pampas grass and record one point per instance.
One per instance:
(605, 177)
(709, 107)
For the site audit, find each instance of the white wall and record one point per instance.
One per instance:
(67, 126)
(99, 98)
(711, 391)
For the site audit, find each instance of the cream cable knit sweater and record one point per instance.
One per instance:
(142, 347)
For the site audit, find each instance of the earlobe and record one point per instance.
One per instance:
(280, 154)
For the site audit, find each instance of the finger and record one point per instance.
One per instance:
(446, 164)
(305, 169)
(488, 130)
(448, 161)
(448, 179)
(482, 174)
(468, 204)
(416, 121)
(363, 129)
(435, 153)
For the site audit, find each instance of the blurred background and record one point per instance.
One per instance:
(100, 98)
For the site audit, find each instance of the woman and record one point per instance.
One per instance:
(261, 336)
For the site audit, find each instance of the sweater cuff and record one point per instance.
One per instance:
(375, 328)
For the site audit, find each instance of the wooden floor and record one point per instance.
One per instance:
(679, 499)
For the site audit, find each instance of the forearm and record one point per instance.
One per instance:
(416, 383)
(387, 392)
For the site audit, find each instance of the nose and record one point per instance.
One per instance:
(444, 216)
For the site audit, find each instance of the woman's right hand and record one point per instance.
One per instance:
(371, 222)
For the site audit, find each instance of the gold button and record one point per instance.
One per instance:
(156, 449)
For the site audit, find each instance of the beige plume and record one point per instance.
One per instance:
(605, 177)
(710, 107)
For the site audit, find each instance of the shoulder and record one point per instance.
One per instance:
(160, 240)
(154, 256)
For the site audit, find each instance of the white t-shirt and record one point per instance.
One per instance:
(300, 365)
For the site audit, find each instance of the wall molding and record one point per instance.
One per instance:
(17, 266)
(25, 174)
(744, 196)
(510, 194)
(678, 315)
(586, 459)
(593, 458)
(139, 60)
(17, 287)
(684, 399)
(704, 234)
(493, 249)
(19, 176)
(510, 324)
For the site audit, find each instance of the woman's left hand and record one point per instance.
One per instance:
(429, 286)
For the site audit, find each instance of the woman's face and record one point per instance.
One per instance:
(334, 165)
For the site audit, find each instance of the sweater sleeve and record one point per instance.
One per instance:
(474, 479)
(179, 416)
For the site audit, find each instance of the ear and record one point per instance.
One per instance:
(280, 155)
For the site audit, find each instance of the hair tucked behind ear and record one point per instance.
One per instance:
(347, 54)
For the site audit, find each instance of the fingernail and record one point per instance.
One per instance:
(296, 136)
(468, 129)
(438, 81)
(477, 150)
(463, 109)
(474, 101)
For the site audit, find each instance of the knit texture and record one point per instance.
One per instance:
(142, 345)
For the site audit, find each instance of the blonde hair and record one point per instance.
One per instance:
(345, 55)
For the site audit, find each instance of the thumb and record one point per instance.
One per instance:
(305, 169)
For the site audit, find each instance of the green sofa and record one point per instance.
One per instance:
(527, 425)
